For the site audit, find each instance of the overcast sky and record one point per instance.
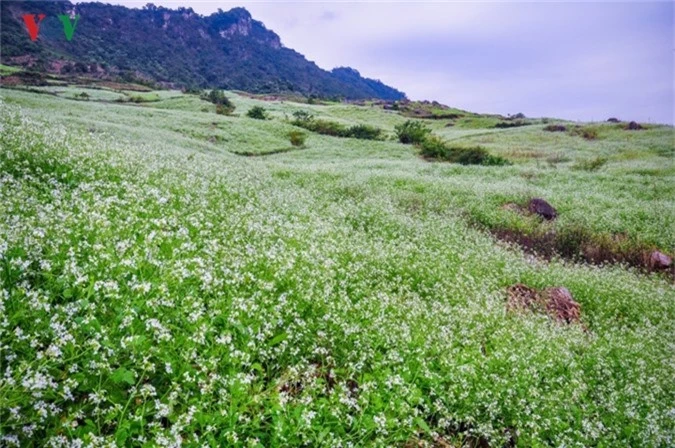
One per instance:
(582, 61)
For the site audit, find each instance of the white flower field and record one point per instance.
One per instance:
(158, 289)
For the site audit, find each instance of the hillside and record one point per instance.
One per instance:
(174, 276)
(178, 47)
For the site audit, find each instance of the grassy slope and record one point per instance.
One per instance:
(327, 295)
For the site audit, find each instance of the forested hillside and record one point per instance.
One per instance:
(177, 47)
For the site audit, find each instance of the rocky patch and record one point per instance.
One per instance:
(542, 208)
(660, 261)
(556, 302)
(633, 126)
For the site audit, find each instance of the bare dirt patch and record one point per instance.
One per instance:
(580, 244)
(294, 385)
(556, 302)
(460, 435)
(583, 246)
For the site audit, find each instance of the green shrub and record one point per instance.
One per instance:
(364, 132)
(361, 131)
(302, 115)
(587, 132)
(297, 138)
(321, 126)
(412, 132)
(510, 124)
(327, 128)
(434, 147)
(192, 90)
(218, 98)
(221, 109)
(555, 128)
(143, 99)
(478, 156)
(257, 112)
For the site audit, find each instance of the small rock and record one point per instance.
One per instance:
(521, 297)
(633, 126)
(561, 305)
(659, 260)
(542, 208)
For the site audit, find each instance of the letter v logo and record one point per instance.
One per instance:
(68, 26)
(32, 27)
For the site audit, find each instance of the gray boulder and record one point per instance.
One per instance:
(659, 260)
(542, 208)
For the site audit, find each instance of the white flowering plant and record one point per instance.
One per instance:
(157, 289)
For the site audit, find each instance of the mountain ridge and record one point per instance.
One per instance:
(174, 47)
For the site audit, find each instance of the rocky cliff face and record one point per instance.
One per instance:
(238, 22)
(227, 49)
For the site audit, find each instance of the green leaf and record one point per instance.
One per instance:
(278, 339)
(122, 375)
(422, 424)
(89, 425)
(121, 436)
